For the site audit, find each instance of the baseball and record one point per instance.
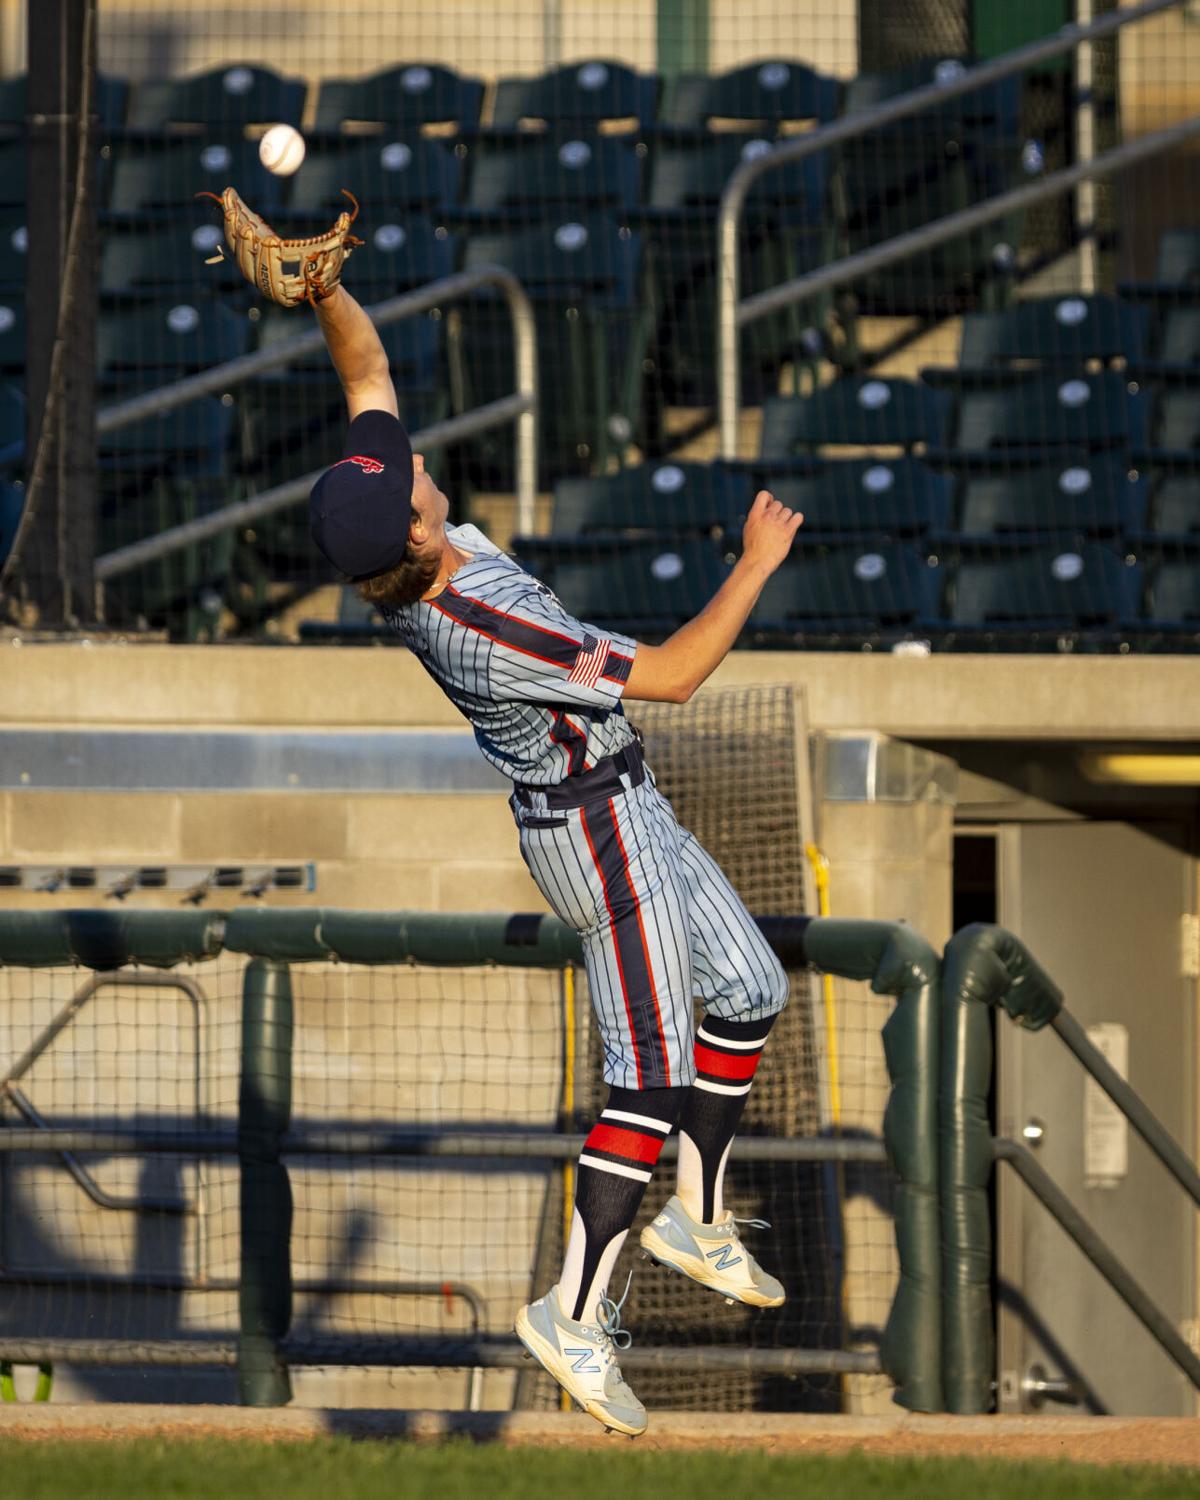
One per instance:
(281, 150)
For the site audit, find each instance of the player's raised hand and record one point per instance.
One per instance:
(770, 530)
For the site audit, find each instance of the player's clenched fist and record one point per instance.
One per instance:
(769, 530)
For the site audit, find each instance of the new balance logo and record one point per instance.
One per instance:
(367, 465)
(581, 1357)
(723, 1257)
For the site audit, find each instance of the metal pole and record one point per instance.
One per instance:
(264, 1110)
(1131, 1105)
(962, 222)
(1085, 150)
(1060, 1208)
(930, 97)
(520, 408)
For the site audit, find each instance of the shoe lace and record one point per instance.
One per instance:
(754, 1223)
(608, 1315)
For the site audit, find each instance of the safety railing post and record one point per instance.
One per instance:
(264, 1113)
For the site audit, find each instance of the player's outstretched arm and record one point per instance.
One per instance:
(672, 672)
(358, 354)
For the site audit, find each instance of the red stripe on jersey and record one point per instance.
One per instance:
(724, 1064)
(630, 1143)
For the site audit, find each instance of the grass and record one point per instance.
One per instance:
(339, 1467)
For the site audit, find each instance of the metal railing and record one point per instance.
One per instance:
(521, 408)
(733, 314)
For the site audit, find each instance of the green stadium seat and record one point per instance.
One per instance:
(12, 336)
(111, 101)
(225, 98)
(660, 500)
(861, 412)
(657, 497)
(1177, 421)
(524, 177)
(1174, 351)
(1172, 599)
(1030, 413)
(399, 256)
(594, 317)
(1096, 497)
(1175, 507)
(188, 441)
(639, 587)
(149, 345)
(1083, 587)
(1052, 331)
(147, 262)
(157, 180)
(13, 174)
(857, 589)
(895, 497)
(14, 248)
(386, 175)
(993, 110)
(12, 416)
(765, 94)
(412, 95)
(579, 97)
(785, 231)
(12, 503)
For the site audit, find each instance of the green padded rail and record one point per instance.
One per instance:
(107, 939)
(898, 961)
(983, 966)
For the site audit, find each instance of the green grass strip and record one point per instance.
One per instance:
(387, 1470)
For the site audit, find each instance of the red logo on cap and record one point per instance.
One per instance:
(367, 465)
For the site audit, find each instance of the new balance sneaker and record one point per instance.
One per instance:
(712, 1254)
(582, 1357)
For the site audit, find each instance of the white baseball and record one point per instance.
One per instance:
(281, 150)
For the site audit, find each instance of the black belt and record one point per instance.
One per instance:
(602, 781)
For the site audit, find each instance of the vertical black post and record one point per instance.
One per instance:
(264, 1112)
(51, 568)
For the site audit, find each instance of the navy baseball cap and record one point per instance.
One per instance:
(359, 510)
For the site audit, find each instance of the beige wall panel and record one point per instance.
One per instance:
(83, 826)
(275, 825)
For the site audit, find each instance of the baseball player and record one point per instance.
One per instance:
(660, 923)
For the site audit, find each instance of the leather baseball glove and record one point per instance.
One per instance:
(287, 271)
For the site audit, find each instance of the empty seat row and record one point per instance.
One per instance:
(589, 92)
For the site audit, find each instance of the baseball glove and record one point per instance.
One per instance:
(287, 271)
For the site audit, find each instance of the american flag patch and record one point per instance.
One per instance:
(589, 663)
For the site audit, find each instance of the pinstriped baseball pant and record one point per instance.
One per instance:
(661, 927)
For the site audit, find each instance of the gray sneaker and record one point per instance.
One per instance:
(712, 1254)
(582, 1357)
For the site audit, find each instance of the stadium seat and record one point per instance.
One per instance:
(387, 176)
(140, 262)
(864, 412)
(1174, 351)
(411, 95)
(580, 97)
(526, 177)
(785, 231)
(859, 589)
(14, 248)
(225, 98)
(763, 95)
(1175, 507)
(12, 336)
(1030, 413)
(188, 441)
(1042, 587)
(111, 100)
(13, 168)
(1177, 422)
(144, 346)
(1172, 599)
(157, 180)
(1093, 497)
(12, 503)
(895, 497)
(397, 257)
(12, 416)
(594, 317)
(1052, 331)
(637, 586)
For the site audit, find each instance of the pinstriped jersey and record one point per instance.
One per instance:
(541, 690)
